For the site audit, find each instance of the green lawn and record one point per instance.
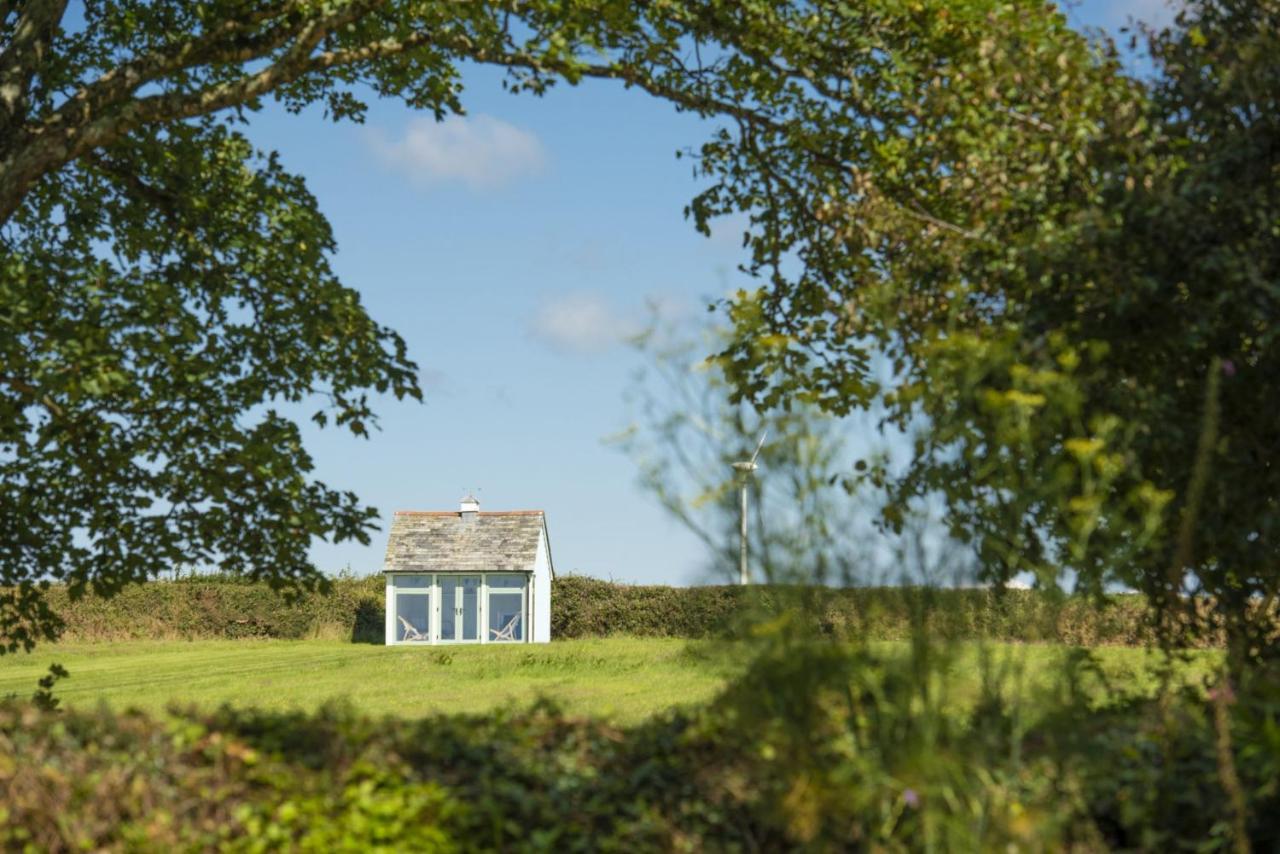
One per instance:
(624, 679)
(621, 678)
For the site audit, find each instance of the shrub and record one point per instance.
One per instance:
(203, 608)
(589, 607)
(218, 607)
(819, 746)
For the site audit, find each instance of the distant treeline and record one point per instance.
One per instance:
(214, 607)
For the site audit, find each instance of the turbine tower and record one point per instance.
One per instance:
(745, 468)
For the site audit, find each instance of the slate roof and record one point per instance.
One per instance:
(428, 541)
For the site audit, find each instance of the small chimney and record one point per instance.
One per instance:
(469, 508)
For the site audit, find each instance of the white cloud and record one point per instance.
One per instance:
(587, 323)
(479, 151)
(581, 323)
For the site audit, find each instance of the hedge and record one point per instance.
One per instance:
(199, 608)
(207, 608)
(588, 607)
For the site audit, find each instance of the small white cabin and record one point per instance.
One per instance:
(468, 577)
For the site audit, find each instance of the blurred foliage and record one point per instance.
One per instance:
(1071, 270)
(685, 437)
(820, 746)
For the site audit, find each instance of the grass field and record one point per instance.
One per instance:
(622, 679)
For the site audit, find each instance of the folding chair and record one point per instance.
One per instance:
(508, 631)
(410, 633)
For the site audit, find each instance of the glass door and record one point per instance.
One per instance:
(459, 607)
(506, 608)
(413, 608)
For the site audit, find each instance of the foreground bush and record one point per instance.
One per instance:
(201, 608)
(818, 747)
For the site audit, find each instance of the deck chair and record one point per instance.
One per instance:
(410, 633)
(507, 632)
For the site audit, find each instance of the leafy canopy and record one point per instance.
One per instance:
(1068, 273)
(164, 287)
(969, 215)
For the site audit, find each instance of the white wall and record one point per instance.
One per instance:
(542, 592)
(391, 610)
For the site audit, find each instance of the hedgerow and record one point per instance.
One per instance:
(204, 608)
(199, 608)
(586, 607)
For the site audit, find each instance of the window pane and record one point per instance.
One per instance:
(413, 581)
(506, 620)
(506, 581)
(448, 607)
(470, 607)
(413, 616)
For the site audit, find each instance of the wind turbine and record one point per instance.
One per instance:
(745, 469)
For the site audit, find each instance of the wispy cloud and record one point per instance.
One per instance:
(479, 151)
(434, 382)
(586, 323)
(581, 323)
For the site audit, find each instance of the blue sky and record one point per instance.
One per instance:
(514, 249)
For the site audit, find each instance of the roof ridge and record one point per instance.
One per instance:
(442, 541)
(481, 513)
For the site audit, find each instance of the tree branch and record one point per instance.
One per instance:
(23, 55)
(32, 392)
(218, 46)
(101, 113)
(71, 131)
(708, 106)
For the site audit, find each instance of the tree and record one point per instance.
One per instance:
(164, 287)
(1073, 271)
(1062, 263)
